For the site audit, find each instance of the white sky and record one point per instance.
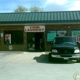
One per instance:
(48, 5)
(76, 5)
(62, 5)
(60, 2)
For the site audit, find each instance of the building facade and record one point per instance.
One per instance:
(33, 31)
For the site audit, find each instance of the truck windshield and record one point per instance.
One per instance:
(63, 40)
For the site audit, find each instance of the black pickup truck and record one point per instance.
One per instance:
(64, 48)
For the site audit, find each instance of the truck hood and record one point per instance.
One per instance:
(64, 46)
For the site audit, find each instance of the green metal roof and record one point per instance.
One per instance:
(40, 17)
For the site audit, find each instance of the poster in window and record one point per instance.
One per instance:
(8, 38)
(1, 35)
(61, 33)
(76, 35)
(51, 35)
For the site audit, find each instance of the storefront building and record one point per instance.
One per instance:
(33, 31)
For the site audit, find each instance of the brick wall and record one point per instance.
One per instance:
(15, 47)
(60, 27)
(23, 47)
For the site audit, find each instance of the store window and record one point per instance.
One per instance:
(52, 34)
(61, 33)
(76, 35)
(13, 37)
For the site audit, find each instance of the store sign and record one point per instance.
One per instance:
(34, 28)
(51, 35)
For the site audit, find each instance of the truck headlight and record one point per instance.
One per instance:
(54, 50)
(76, 51)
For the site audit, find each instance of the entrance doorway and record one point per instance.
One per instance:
(35, 41)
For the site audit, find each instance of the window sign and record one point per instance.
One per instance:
(76, 35)
(76, 32)
(1, 34)
(8, 38)
(13, 37)
(61, 33)
(51, 35)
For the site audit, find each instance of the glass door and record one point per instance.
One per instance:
(35, 41)
(31, 41)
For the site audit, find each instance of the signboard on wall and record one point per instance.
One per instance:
(34, 28)
(51, 35)
(10, 47)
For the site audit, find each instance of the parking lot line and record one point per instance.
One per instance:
(18, 55)
(10, 59)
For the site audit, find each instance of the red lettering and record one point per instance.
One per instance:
(34, 27)
(28, 29)
(31, 27)
(38, 29)
(42, 29)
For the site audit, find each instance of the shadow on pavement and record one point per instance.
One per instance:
(44, 59)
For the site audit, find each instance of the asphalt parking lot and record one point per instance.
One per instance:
(18, 65)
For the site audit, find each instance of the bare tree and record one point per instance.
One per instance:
(20, 8)
(36, 9)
